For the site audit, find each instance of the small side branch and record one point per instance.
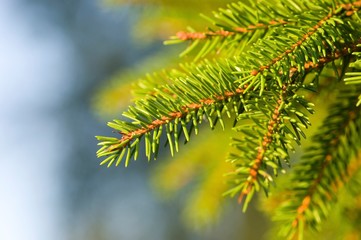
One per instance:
(182, 35)
(350, 9)
(129, 136)
(272, 126)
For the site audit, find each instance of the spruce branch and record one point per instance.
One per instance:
(236, 34)
(226, 99)
(304, 41)
(273, 124)
(252, 182)
(189, 91)
(186, 99)
(260, 86)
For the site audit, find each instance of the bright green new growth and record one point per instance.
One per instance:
(260, 67)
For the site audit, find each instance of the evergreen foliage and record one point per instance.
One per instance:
(260, 65)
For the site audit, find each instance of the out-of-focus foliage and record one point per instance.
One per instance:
(116, 95)
(160, 19)
(202, 167)
(344, 219)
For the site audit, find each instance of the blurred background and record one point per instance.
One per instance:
(66, 69)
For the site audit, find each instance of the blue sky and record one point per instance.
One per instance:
(33, 68)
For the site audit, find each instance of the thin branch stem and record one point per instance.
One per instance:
(182, 35)
(273, 123)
